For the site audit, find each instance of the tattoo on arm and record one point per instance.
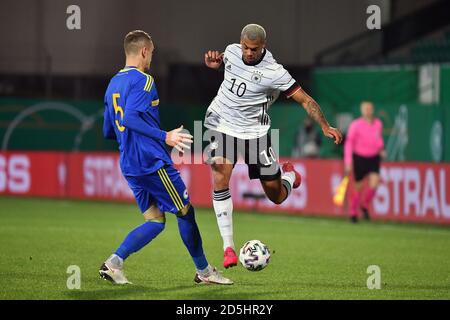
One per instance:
(314, 111)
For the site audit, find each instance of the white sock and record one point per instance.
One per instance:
(115, 261)
(223, 207)
(287, 179)
(205, 272)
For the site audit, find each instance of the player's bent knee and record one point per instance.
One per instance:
(274, 194)
(161, 220)
(222, 175)
(274, 191)
(153, 214)
(184, 211)
(276, 199)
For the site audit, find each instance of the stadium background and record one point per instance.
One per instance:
(52, 82)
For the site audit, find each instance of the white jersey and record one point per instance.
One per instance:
(246, 93)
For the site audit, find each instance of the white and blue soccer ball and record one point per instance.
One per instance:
(254, 255)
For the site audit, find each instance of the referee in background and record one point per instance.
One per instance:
(363, 151)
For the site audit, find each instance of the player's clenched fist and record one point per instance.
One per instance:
(176, 139)
(213, 59)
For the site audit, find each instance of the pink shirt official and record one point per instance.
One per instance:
(363, 138)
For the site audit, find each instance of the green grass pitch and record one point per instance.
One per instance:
(312, 258)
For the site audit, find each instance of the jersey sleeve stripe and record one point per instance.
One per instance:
(292, 90)
(146, 83)
(149, 83)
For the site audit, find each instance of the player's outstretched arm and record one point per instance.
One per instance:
(314, 111)
(213, 59)
(175, 138)
(132, 120)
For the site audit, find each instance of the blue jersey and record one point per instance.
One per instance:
(132, 118)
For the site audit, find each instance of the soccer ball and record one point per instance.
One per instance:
(254, 255)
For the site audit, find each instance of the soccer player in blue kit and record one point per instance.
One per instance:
(132, 118)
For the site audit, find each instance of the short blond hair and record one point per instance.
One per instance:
(135, 41)
(253, 32)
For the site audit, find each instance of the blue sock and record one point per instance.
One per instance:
(191, 237)
(139, 237)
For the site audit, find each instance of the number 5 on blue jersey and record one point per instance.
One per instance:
(118, 110)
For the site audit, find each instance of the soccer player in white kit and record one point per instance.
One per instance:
(238, 123)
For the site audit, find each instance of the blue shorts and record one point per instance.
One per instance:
(164, 188)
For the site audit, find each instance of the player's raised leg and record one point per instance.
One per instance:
(223, 208)
(263, 165)
(279, 189)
